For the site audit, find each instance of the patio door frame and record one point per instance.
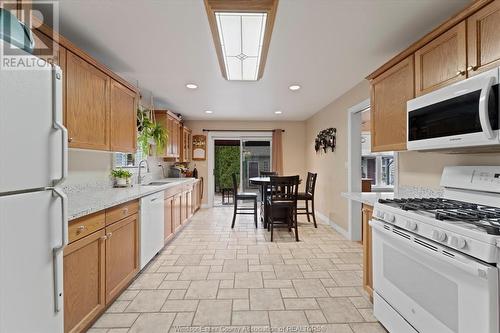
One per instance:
(236, 135)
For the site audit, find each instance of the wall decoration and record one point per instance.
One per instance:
(199, 147)
(325, 139)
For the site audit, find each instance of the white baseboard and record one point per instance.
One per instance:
(334, 225)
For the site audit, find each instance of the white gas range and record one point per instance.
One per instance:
(435, 260)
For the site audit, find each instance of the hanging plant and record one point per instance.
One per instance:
(326, 139)
(150, 133)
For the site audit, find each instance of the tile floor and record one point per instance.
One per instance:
(214, 279)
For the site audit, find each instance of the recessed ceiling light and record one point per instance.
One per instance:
(209, 112)
(294, 87)
(278, 112)
(191, 86)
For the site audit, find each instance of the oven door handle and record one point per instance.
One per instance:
(483, 108)
(470, 266)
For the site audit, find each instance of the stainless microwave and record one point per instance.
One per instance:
(464, 114)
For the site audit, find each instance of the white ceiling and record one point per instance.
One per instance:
(326, 46)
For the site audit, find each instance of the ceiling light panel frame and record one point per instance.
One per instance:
(241, 16)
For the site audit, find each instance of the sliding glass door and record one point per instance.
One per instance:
(255, 157)
(245, 155)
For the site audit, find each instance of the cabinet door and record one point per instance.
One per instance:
(161, 118)
(389, 93)
(168, 227)
(87, 107)
(84, 279)
(123, 118)
(122, 255)
(176, 220)
(442, 61)
(367, 253)
(483, 39)
(183, 205)
(170, 143)
(189, 204)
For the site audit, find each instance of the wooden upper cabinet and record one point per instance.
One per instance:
(84, 278)
(87, 104)
(122, 255)
(441, 61)
(185, 144)
(483, 39)
(123, 118)
(389, 93)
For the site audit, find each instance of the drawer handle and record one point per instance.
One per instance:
(104, 238)
(472, 68)
(109, 234)
(460, 73)
(81, 228)
(125, 210)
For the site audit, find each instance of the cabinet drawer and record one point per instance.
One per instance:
(84, 226)
(121, 211)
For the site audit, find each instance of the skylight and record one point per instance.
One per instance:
(241, 38)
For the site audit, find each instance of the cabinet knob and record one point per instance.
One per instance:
(70, 139)
(109, 234)
(472, 68)
(459, 73)
(81, 228)
(104, 238)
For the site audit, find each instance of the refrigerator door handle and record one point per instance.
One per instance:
(58, 125)
(58, 286)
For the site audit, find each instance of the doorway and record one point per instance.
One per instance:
(246, 154)
(366, 171)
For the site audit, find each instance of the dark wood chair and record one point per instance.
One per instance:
(282, 201)
(307, 196)
(243, 196)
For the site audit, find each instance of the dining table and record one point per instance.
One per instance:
(264, 183)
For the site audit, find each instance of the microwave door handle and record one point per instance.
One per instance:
(483, 108)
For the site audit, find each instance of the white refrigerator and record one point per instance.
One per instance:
(33, 210)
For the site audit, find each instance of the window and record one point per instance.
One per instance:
(127, 160)
(379, 168)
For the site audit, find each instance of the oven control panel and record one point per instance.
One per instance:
(476, 178)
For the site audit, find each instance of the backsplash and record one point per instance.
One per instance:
(407, 191)
(90, 170)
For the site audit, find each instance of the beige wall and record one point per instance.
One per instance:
(293, 143)
(424, 168)
(331, 167)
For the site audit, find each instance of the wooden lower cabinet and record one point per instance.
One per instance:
(367, 250)
(168, 224)
(176, 211)
(84, 281)
(122, 255)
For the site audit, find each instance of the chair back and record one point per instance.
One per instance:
(311, 183)
(284, 188)
(235, 184)
(268, 173)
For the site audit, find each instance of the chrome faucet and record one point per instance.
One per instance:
(139, 177)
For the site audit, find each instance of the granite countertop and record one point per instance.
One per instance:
(87, 202)
(369, 198)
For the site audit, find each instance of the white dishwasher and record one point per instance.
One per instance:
(151, 227)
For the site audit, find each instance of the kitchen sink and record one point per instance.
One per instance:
(158, 183)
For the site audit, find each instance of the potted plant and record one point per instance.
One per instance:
(150, 133)
(122, 177)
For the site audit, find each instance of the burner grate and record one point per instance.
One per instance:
(487, 218)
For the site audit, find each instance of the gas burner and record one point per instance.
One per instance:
(428, 204)
(484, 217)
